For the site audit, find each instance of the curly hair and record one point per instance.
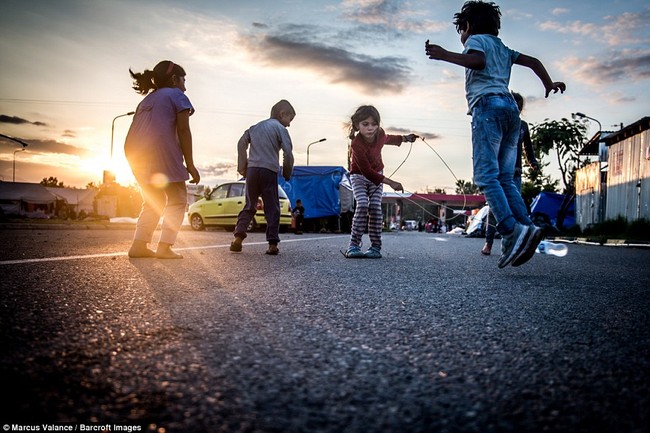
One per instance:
(483, 18)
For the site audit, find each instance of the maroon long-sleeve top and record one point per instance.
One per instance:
(366, 157)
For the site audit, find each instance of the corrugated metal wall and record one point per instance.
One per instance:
(588, 195)
(628, 178)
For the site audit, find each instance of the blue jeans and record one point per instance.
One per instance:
(495, 131)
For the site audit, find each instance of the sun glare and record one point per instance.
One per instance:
(94, 168)
(122, 171)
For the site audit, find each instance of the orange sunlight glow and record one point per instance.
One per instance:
(94, 168)
(123, 175)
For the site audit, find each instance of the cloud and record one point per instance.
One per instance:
(373, 12)
(619, 98)
(403, 131)
(344, 57)
(628, 28)
(19, 121)
(217, 170)
(517, 14)
(53, 146)
(575, 27)
(391, 16)
(559, 11)
(627, 65)
(296, 49)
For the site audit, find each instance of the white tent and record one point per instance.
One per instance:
(479, 222)
(20, 198)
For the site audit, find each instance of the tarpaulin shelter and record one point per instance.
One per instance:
(324, 190)
(550, 204)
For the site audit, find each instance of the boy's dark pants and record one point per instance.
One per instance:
(261, 182)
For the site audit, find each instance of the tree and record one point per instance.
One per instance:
(566, 138)
(536, 181)
(466, 187)
(52, 181)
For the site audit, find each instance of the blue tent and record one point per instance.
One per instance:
(318, 188)
(549, 203)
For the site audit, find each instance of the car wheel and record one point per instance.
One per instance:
(252, 226)
(196, 222)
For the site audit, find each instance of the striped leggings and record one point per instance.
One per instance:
(367, 213)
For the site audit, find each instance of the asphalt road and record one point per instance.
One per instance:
(431, 338)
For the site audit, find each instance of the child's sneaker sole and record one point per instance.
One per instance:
(531, 245)
(522, 234)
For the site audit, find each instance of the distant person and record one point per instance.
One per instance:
(299, 216)
(524, 148)
(258, 160)
(366, 176)
(158, 142)
(495, 121)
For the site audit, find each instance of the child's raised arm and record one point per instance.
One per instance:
(539, 70)
(471, 60)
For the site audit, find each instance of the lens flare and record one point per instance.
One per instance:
(159, 180)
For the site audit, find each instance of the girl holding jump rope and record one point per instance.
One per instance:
(366, 176)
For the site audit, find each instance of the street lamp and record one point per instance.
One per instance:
(584, 116)
(130, 113)
(14, 175)
(317, 141)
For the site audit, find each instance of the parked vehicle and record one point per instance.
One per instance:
(410, 225)
(220, 207)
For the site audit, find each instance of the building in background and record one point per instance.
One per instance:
(618, 184)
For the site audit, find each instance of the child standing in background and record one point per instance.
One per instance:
(495, 121)
(259, 165)
(367, 179)
(158, 142)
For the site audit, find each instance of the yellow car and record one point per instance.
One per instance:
(222, 205)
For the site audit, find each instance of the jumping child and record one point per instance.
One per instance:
(495, 121)
(524, 148)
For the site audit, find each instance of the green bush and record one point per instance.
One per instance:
(619, 228)
(639, 229)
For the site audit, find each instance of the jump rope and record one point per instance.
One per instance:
(402, 194)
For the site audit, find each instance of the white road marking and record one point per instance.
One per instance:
(93, 256)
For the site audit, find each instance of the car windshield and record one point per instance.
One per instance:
(238, 190)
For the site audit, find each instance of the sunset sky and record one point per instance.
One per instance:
(65, 76)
